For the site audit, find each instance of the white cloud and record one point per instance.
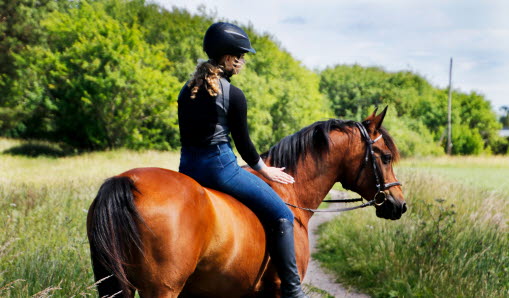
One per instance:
(397, 34)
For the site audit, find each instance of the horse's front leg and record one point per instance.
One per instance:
(302, 251)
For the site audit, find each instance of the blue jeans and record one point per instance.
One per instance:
(216, 167)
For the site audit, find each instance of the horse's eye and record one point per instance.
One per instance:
(386, 158)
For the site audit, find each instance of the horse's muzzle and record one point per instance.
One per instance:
(390, 208)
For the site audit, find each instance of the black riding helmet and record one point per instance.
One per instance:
(225, 38)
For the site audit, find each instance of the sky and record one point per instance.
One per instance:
(415, 35)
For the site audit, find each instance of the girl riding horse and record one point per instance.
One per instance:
(209, 108)
(163, 234)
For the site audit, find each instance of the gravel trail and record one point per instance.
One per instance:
(317, 276)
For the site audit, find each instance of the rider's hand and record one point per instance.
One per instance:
(276, 175)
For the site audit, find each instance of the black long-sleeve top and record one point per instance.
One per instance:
(207, 120)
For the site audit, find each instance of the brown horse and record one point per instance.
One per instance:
(161, 233)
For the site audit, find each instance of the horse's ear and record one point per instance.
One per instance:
(380, 118)
(374, 121)
(372, 116)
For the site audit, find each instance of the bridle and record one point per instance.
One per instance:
(380, 197)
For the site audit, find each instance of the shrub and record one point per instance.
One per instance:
(99, 84)
(466, 141)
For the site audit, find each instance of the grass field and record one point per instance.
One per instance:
(43, 245)
(491, 173)
(44, 251)
(453, 241)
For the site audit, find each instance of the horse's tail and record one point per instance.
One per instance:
(113, 235)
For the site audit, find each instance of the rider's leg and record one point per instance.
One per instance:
(219, 170)
(278, 221)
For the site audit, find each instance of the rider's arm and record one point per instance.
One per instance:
(237, 122)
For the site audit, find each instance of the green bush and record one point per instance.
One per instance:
(353, 91)
(499, 145)
(411, 136)
(106, 73)
(282, 95)
(111, 71)
(20, 28)
(466, 141)
(99, 84)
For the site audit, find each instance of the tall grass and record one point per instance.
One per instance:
(453, 242)
(456, 247)
(43, 244)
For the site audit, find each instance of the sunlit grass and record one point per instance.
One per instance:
(452, 242)
(43, 245)
(480, 172)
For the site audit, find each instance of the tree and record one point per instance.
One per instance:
(353, 90)
(282, 94)
(101, 84)
(474, 112)
(106, 73)
(19, 28)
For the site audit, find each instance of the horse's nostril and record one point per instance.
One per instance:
(404, 207)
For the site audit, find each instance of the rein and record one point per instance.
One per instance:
(380, 197)
(370, 203)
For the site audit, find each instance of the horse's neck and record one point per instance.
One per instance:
(314, 180)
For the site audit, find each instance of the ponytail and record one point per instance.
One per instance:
(206, 75)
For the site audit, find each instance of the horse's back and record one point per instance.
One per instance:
(194, 236)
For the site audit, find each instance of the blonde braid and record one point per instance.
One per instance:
(207, 74)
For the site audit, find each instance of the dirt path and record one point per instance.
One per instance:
(316, 276)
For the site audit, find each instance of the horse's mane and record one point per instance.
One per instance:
(314, 140)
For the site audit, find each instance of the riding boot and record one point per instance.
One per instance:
(282, 252)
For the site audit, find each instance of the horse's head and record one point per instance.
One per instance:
(359, 155)
(372, 158)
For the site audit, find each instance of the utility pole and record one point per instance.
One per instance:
(449, 143)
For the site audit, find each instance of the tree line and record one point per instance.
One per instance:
(105, 74)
